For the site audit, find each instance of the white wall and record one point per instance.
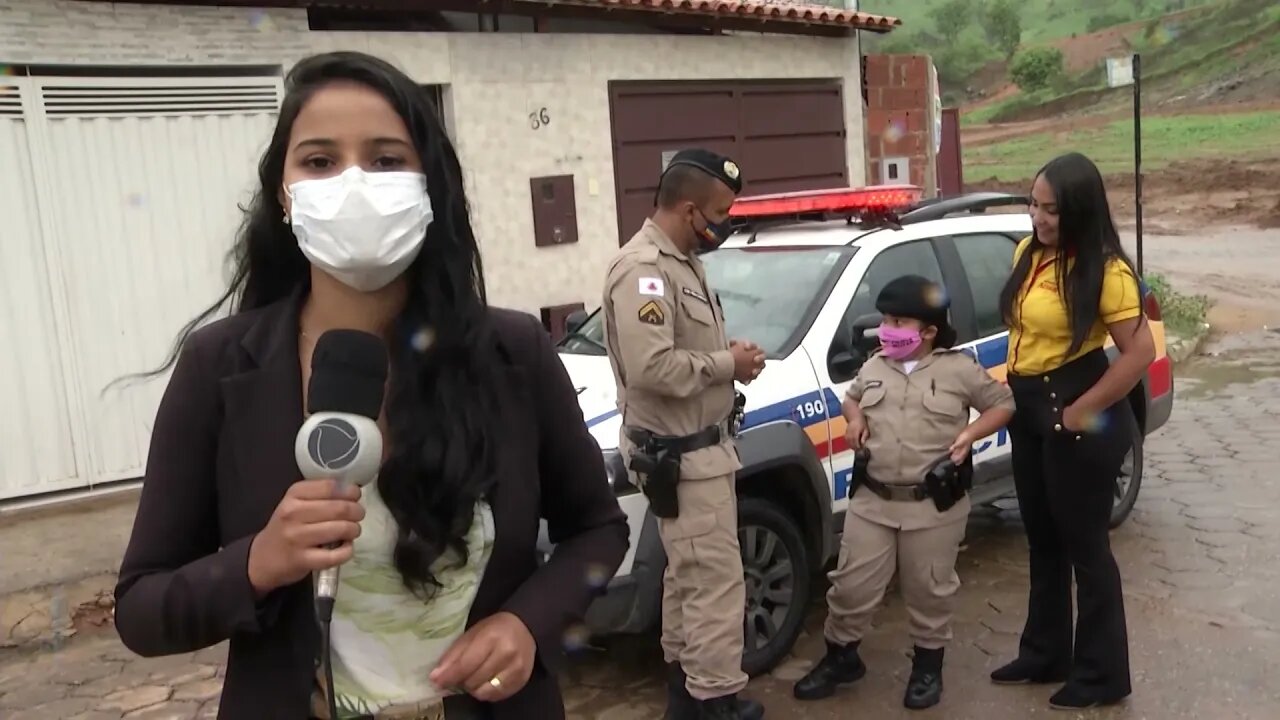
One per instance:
(495, 81)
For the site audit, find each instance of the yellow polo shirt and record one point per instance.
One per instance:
(1041, 334)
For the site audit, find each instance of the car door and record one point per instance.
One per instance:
(978, 264)
(915, 257)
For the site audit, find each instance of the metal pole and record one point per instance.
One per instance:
(1137, 149)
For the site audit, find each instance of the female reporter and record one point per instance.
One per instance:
(1072, 285)
(361, 222)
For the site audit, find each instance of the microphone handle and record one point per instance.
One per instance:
(327, 583)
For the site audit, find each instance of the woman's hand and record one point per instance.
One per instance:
(312, 517)
(499, 647)
(963, 445)
(856, 434)
(1076, 419)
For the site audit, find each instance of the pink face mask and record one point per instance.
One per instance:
(899, 343)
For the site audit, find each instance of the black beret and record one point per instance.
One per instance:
(715, 165)
(918, 298)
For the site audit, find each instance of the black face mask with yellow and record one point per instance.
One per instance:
(712, 235)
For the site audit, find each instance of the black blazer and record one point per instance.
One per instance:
(221, 459)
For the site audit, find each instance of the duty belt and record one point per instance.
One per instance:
(897, 493)
(680, 444)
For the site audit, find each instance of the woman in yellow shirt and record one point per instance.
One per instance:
(1072, 285)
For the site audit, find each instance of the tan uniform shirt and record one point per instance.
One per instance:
(912, 419)
(664, 330)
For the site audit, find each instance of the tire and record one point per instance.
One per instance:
(775, 563)
(1130, 479)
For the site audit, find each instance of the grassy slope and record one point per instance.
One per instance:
(1042, 20)
(1164, 140)
(1240, 37)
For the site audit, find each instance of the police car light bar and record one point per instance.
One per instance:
(873, 199)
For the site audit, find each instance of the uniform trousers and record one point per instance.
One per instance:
(869, 553)
(703, 592)
(1066, 482)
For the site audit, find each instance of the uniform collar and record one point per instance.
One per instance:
(922, 363)
(659, 238)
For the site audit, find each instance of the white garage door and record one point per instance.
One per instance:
(37, 448)
(137, 183)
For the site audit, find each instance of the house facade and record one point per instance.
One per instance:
(130, 132)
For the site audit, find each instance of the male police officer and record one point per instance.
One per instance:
(675, 368)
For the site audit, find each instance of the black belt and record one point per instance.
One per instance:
(899, 493)
(704, 438)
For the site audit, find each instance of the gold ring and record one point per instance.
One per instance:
(495, 683)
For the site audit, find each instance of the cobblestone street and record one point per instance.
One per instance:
(1197, 557)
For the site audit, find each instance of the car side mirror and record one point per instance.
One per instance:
(845, 364)
(575, 320)
(864, 332)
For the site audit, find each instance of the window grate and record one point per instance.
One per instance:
(10, 101)
(129, 98)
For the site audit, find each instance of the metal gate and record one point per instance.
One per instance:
(118, 204)
(787, 135)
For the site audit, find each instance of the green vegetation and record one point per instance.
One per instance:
(1003, 26)
(1165, 139)
(1041, 20)
(1233, 39)
(966, 36)
(1184, 315)
(1037, 68)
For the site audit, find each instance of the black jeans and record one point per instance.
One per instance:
(1066, 487)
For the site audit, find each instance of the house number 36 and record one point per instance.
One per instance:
(539, 118)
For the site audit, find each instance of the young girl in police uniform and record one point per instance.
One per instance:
(1072, 285)
(909, 407)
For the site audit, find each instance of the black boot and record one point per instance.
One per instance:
(924, 689)
(840, 666)
(730, 707)
(682, 706)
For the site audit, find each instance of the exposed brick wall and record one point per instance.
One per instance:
(64, 31)
(899, 116)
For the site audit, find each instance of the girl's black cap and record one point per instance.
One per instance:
(918, 298)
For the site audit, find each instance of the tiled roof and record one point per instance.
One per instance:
(800, 14)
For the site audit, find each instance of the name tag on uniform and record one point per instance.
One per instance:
(695, 294)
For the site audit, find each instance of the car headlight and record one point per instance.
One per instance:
(616, 468)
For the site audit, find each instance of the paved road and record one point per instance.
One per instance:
(1197, 556)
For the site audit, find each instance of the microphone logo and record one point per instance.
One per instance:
(333, 444)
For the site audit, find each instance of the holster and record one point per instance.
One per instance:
(861, 459)
(656, 458)
(659, 467)
(946, 483)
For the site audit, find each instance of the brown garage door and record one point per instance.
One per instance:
(786, 136)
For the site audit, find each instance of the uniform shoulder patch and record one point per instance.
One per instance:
(651, 313)
(652, 286)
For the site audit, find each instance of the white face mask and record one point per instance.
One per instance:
(362, 228)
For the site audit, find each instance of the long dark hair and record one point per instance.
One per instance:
(441, 400)
(1086, 233)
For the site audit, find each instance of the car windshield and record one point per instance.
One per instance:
(767, 294)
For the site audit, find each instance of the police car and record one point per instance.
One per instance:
(799, 277)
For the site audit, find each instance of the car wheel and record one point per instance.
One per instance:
(775, 564)
(1129, 480)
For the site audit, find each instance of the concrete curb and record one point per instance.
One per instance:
(1181, 349)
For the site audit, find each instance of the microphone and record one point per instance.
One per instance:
(341, 439)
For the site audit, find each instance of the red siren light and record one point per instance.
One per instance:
(851, 201)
